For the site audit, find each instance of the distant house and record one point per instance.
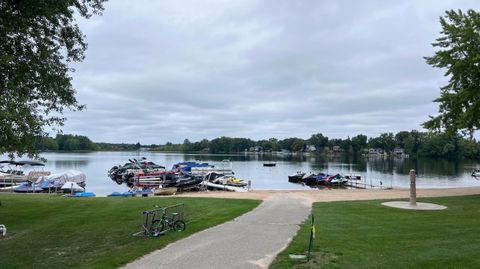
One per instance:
(337, 149)
(311, 148)
(375, 151)
(398, 151)
(255, 149)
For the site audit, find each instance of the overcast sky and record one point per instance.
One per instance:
(158, 71)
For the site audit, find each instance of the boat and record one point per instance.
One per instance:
(143, 192)
(186, 167)
(202, 169)
(212, 185)
(314, 178)
(122, 194)
(72, 187)
(125, 173)
(188, 183)
(269, 164)
(230, 180)
(15, 174)
(296, 178)
(55, 182)
(165, 191)
(336, 180)
(81, 194)
(222, 179)
(28, 187)
(476, 173)
(152, 180)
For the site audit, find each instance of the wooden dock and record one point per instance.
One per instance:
(364, 185)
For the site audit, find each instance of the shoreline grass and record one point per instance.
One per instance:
(366, 234)
(48, 231)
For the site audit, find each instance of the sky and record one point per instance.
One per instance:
(165, 71)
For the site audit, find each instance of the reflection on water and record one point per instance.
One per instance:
(70, 164)
(390, 172)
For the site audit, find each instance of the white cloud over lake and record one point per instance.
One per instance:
(159, 71)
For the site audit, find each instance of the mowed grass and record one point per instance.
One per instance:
(369, 235)
(57, 232)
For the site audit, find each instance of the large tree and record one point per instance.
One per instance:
(38, 39)
(459, 54)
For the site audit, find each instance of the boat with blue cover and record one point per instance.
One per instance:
(121, 194)
(81, 194)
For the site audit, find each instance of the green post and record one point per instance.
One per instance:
(312, 236)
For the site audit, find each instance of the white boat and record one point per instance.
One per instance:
(72, 187)
(15, 174)
(476, 173)
(222, 187)
(57, 180)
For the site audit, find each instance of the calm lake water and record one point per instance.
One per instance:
(390, 172)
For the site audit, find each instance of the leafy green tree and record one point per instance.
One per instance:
(298, 145)
(292, 144)
(387, 141)
(38, 39)
(359, 142)
(187, 145)
(459, 53)
(318, 140)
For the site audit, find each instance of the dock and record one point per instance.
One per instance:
(364, 185)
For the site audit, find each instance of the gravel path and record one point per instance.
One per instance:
(250, 241)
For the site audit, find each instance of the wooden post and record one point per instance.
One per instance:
(413, 188)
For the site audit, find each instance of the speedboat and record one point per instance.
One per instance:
(314, 178)
(296, 178)
(336, 180)
(476, 173)
(126, 173)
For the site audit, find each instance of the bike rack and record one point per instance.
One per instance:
(174, 212)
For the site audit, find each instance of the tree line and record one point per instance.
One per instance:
(414, 143)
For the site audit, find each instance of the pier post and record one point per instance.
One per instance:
(413, 188)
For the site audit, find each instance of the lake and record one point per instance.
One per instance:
(389, 172)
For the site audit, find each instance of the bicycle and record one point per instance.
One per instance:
(158, 225)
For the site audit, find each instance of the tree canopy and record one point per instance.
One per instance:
(459, 53)
(38, 39)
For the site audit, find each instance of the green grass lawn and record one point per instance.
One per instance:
(57, 232)
(368, 235)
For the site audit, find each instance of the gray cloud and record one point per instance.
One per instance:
(170, 70)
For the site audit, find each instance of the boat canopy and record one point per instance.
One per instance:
(32, 163)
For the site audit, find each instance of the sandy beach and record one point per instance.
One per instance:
(339, 194)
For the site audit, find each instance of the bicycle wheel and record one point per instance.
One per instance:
(179, 225)
(157, 226)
